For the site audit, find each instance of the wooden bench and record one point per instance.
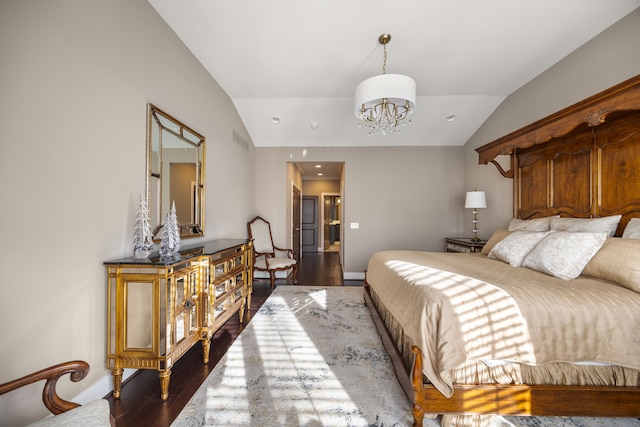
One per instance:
(64, 411)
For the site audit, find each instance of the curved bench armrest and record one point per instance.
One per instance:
(77, 369)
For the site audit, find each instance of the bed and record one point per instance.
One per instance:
(527, 327)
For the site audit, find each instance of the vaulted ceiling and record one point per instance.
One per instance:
(300, 60)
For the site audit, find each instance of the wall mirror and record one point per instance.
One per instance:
(175, 173)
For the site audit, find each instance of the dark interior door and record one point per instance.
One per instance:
(309, 223)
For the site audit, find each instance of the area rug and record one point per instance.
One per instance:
(311, 356)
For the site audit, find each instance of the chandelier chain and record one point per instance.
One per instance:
(384, 60)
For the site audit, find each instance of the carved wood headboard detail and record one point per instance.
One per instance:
(583, 161)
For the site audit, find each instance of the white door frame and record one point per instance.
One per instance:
(321, 219)
(293, 188)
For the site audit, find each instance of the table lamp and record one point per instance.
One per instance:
(475, 200)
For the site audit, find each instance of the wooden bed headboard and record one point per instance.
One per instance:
(582, 162)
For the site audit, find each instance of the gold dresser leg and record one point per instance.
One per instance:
(165, 376)
(117, 382)
(242, 307)
(206, 347)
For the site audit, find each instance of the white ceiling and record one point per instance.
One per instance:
(300, 60)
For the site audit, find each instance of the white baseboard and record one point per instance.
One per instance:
(359, 275)
(100, 388)
(353, 275)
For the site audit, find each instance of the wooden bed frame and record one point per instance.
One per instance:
(595, 146)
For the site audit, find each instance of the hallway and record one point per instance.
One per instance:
(317, 269)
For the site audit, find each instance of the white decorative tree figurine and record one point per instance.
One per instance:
(142, 237)
(170, 243)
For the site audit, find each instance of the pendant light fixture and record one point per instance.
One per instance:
(383, 103)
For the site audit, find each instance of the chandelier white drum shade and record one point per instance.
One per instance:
(383, 103)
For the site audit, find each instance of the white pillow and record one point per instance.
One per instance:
(517, 245)
(536, 224)
(564, 254)
(606, 224)
(632, 230)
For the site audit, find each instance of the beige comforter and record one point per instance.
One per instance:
(466, 307)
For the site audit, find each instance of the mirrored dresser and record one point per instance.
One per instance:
(159, 310)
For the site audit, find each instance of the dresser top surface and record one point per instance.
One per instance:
(209, 247)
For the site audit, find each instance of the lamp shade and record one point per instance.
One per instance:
(397, 88)
(475, 200)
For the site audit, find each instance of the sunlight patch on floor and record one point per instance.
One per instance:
(294, 377)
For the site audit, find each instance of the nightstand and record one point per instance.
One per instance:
(463, 244)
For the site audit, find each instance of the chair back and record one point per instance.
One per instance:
(260, 232)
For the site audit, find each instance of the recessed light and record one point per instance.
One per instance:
(314, 125)
(318, 166)
(275, 120)
(450, 118)
(319, 173)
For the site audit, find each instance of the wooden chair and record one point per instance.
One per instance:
(266, 256)
(96, 413)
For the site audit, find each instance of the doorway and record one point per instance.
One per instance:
(316, 179)
(331, 223)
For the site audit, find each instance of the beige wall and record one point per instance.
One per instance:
(75, 79)
(402, 197)
(606, 60)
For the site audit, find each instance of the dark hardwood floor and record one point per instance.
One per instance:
(140, 404)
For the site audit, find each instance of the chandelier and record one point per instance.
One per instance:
(383, 103)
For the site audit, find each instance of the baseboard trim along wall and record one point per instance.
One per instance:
(353, 275)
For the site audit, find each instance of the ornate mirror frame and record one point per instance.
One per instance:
(175, 173)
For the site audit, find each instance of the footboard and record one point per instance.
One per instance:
(516, 399)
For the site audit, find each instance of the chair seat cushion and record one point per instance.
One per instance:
(93, 414)
(275, 263)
